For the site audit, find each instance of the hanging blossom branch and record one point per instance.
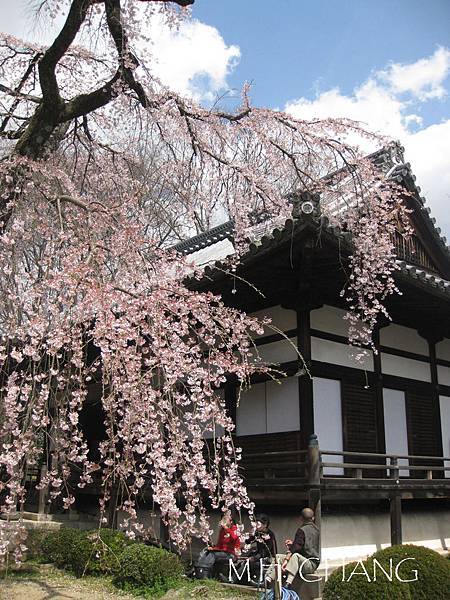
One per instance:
(104, 167)
(162, 355)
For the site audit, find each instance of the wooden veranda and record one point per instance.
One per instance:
(308, 475)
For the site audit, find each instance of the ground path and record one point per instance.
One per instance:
(53, 584)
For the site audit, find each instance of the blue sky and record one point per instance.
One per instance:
(385, 63)
(292, 48)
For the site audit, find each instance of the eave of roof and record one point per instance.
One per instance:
(411, 273)
(401, 173)
(203, 240)
(421, 276)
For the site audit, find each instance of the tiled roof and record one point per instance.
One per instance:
(383, 158)
(214, 235)
(423, 276)
(284, 232)
(265, 238)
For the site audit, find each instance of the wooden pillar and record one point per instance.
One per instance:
(314, 474)
(378, 385)
(396, 518)
(43, 492)
(278, 582)
(395, 506)
(164, 534)
(313, 461)
(48, 459)
(112, 507)
(231, 401)
(305, 384)
(435, 405)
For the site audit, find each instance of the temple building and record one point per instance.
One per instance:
(365, 442)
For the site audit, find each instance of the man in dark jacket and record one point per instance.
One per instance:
(303, 552)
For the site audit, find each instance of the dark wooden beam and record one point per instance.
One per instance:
(305, 384)
(435, 393)
(378, 388)
(230, 401)
(395, 504)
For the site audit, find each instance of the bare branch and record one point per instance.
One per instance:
(52, 56)
(74, 201)
(16, 94)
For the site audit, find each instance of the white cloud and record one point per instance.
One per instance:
(19, 19)
(381, 105)
(423, 79)
(428, 151)
(370, 104)
(194, 59)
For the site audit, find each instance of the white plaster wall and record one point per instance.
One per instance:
(352, 537)
(403, 338)
(444, 402)
(339, 354)
(282, 319)
(328, 420)
(443, 349)
(278, 352)
(443, 353)
(283, 409)
(443, 375)
(395, 425)
(405, 367)
(329, 319)
(251, 411)
(356, 536)
(269, 407)
(344, 537)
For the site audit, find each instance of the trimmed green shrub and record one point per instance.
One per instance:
(417, 573)
(35, 538)
(98, 552)
(352, 583)
(57, 545)
(148, 570)
(433, 570)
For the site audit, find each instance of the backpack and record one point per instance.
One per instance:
(285, 595)
(204, 565)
